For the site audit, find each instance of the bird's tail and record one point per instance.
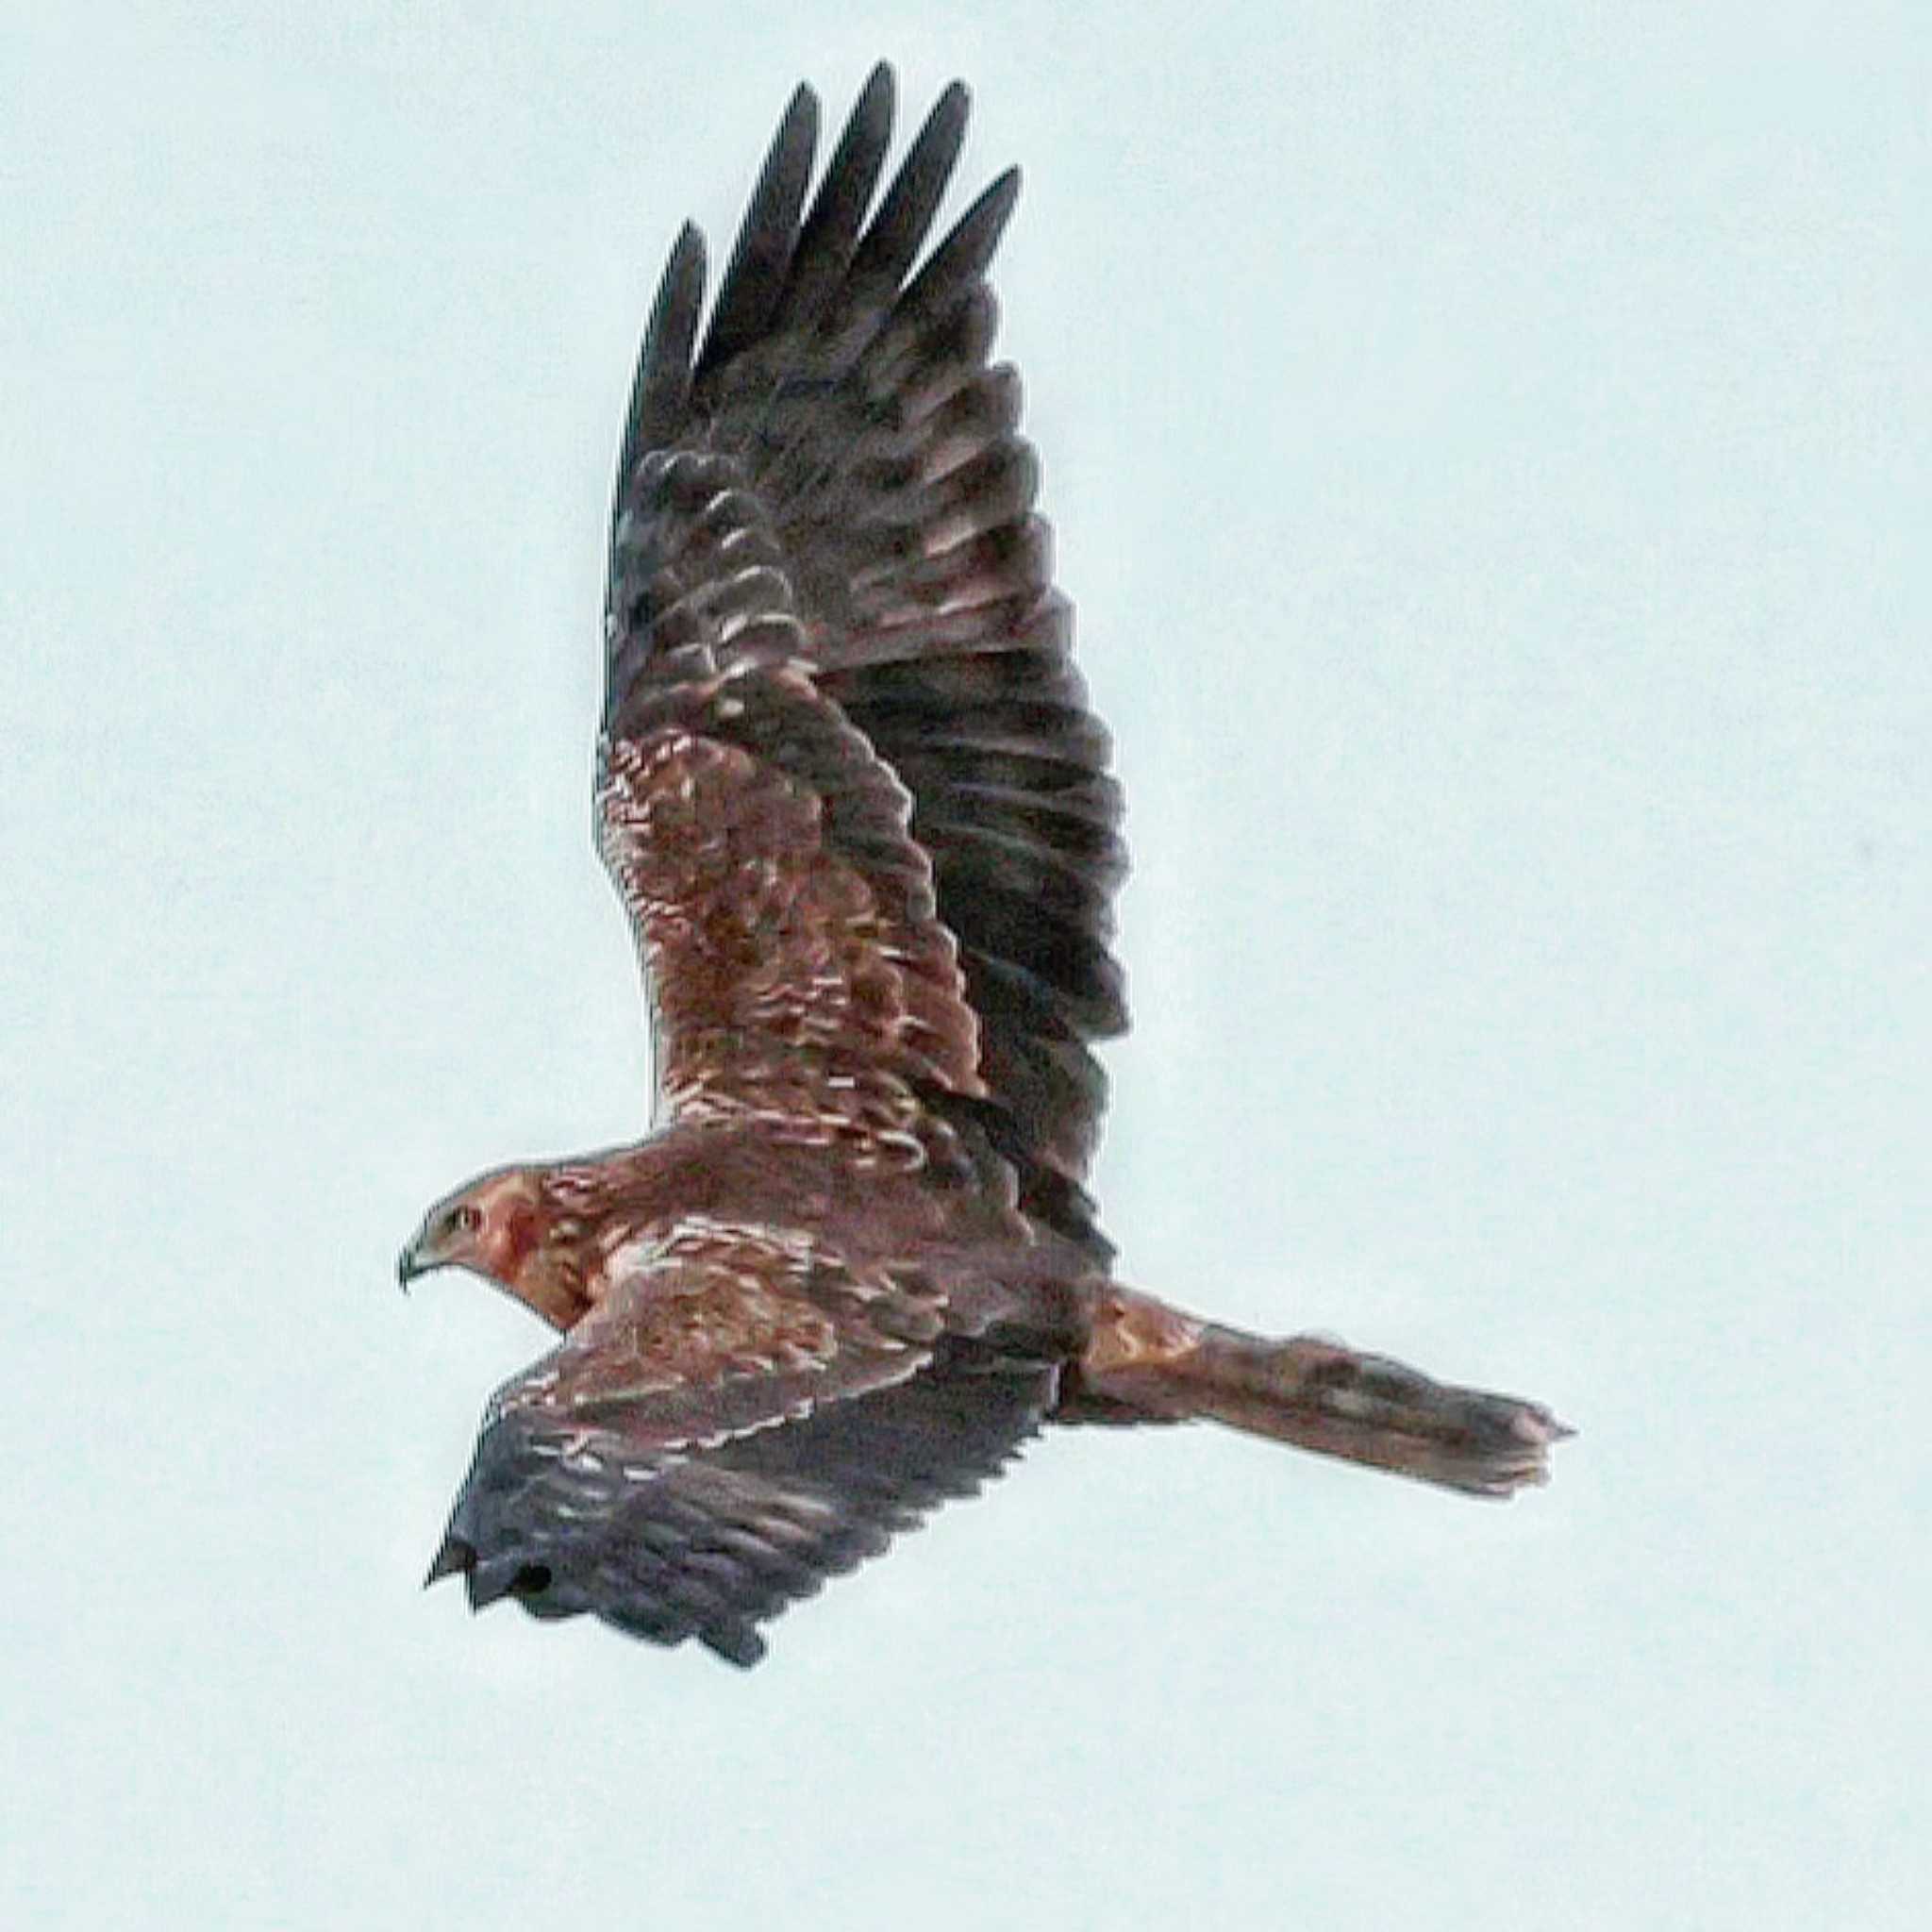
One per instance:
(1146, 1361)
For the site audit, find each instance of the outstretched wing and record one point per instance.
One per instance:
(745, 1417)
(851, 790)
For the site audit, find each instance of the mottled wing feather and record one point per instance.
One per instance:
(785, 918)
(745, 1418)
(715, 1328)
(833, 478)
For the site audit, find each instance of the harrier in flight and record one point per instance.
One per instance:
(859, 813)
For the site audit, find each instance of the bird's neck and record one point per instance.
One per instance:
(541, 1261)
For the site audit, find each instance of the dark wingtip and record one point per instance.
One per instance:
(899, 228)
(761, 254)
(683, 268)
(736, 1644)
(451, 1559)
(964, 254)
(877, 100)
(490, 1582)
(661, 386)
(798, 131)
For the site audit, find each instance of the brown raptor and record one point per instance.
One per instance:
(858, 812)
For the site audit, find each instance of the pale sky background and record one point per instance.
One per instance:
(1485, 443)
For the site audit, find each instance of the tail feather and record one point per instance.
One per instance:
(1146, 1360)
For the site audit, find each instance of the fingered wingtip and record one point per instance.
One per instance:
(738, 1644)
(489, 1581)
(798, 130)
(451, 1559)
(877, 99)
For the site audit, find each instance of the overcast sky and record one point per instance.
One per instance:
(1485, 443)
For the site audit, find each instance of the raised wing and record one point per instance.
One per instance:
(831, 620)
(744, 1417)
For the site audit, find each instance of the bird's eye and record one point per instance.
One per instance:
(465, 1220)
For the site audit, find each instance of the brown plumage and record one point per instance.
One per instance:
(858, 811)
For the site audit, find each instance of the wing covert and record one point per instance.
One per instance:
(785, 919)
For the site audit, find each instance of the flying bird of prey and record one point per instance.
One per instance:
(858, 812)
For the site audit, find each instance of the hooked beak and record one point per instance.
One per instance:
(410, 1264)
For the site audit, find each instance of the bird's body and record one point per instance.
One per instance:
(858, 812)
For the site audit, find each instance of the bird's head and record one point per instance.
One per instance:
(505, 1227)
(489, 1225)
